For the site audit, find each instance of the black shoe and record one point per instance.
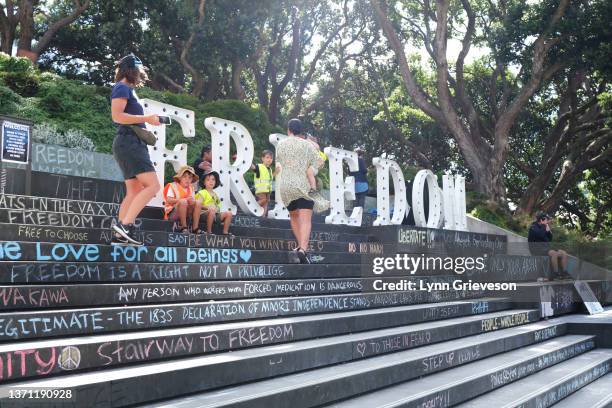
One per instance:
(119, 240)
(127, 232)
(565, 276)
(302, 256)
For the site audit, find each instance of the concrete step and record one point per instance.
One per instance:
(93, 320)
(597, 394)
(14, 232)
(241, 225)
(22, 297)
(504, 269)
(67, 252)
(107, 351)
(450, 387)
(315, 387)
(408, 237)
(145, 383)
(74, 272)
(31, 210)
(552, 385)
(17, 203)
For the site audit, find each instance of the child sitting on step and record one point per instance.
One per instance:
(263, 179)
(179, 200)
(211, 204)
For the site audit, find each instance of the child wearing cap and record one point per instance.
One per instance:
(179, 200)
(210, 203)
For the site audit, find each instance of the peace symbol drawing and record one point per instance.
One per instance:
(69, 358)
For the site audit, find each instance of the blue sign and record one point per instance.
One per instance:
(15, 142)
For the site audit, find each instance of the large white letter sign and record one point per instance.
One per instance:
(159, 153)
(434, 218)
(341, 188)
(279, 211)
(232, 175)
(453, 193)
(400, 205)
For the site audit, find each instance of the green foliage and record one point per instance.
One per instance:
(9, 100)
(478, 206)
(71, 107)
(19, 74)
(50, 134)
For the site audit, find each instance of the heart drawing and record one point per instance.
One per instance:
(361, 348)
(245, 255)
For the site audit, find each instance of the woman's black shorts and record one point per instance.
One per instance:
(131, 154)
(300, 204)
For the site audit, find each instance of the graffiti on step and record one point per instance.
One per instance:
(12, 297)
(63, 323)
(392, 343)
(365, 247)
(43, 361)
(110, 272)
(57, 205)
(508, 375)
(62, 252)
(504, 322)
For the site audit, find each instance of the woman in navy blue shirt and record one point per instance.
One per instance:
(130, 152)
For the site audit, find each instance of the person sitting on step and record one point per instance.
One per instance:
(263, 180)
(179, 200)
(203, 163)
(539, 239)
(211, 203)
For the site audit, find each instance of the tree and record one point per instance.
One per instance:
(111, 29)
(578, 140)
(506, 29)
(24, 15)
(575, 110)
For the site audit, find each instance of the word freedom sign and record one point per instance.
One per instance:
(446, 207)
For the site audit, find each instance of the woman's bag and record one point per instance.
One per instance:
(145, 135)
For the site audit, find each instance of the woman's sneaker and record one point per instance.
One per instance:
(302, 256)
(125, 235)
(119, 240)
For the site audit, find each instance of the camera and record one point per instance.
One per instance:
(165, 120)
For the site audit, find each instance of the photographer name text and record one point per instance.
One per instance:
(406, 285)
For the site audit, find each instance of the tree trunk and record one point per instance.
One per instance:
(26, 25)
(569, 173)
(273, 107)
(7, 37)
(210, 88)
(237, 89)
(531, 198)
(488, 183)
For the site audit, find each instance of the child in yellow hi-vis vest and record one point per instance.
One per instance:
(211, 203)
(263, 179)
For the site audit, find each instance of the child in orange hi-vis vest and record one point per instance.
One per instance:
(179, 200)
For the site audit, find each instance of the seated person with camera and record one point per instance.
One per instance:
(539, 239)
